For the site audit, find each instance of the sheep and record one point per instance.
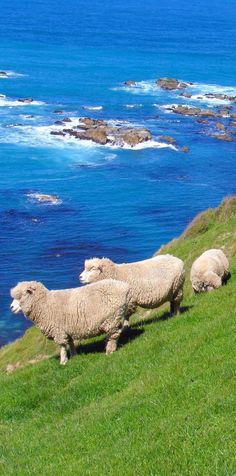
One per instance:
(78, 313)
(209, 271)
(153, 281)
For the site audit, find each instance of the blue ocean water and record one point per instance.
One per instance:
(116, 202)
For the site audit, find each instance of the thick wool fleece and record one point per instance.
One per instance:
(209, 271)
(77, 313)
(152, 281)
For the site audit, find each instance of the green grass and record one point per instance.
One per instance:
(162, 405)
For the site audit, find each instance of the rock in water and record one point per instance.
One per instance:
(171, 83)
(45, 198)
(26, 100)
(130, 83)
(96, 134)
(168, 139)
(102, 133)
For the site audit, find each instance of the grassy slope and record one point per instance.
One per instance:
(163, 405)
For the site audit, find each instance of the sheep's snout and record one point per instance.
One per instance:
(83, 278)
(15, 306)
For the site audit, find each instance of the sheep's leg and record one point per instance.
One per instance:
(112, 342)
(129, 313)
(126, 324)
(175, 303)
(174, 308)
(73, 350)
(63, 354)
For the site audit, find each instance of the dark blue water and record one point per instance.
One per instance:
(119, 203)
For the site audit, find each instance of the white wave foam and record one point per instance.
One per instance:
(150, 144)
(200, 90)
(44, 199)
(214, 88)
(167, 108)
(11, 74)
(93, 108)
(40, 136)
(5, 102)
(141, 87)
(197, 90)
(206, 100)
(110, 157)
(133, 106)
(29, 117)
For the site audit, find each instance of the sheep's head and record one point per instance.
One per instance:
(211, 281)
(96, 269)
(22, 296)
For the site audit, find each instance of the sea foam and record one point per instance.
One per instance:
(5, 102)
(93, 108)
(11, 74)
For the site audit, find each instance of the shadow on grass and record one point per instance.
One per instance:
(97, 347)
(127, 335)
(164, 317)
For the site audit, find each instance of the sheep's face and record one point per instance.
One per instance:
(92, 271)
(22, 297)
(96, 269)
(211, 281)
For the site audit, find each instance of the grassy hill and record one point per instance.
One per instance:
(163, 405)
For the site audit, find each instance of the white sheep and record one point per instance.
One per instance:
(68, 314)
(209, 271)
(152, 282)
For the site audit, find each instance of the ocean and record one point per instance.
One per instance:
(118, 202)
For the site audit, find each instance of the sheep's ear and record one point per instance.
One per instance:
(95, 268)
(30, 289)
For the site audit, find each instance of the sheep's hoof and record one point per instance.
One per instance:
(109, 352)
(111, 347)
(126, 325)
(64, 362)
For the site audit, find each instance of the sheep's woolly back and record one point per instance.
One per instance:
(153, 281)
(209, 269)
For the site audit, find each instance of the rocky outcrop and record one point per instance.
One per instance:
(130, 83)
(26, 100)
(101, 132)
(185, 149)
(45, 198)
(220, 126)
(58, 133)
(222, 97)
(168, 139)
(209, 117)
(224, 137)
(186, 95)
(131, 136)
(96, 134)
(170, 84)
(185, 110)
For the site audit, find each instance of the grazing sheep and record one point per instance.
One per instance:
(153, 281)
(68, 314)
(209, 271)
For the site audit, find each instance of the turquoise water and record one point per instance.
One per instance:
(114, 202)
